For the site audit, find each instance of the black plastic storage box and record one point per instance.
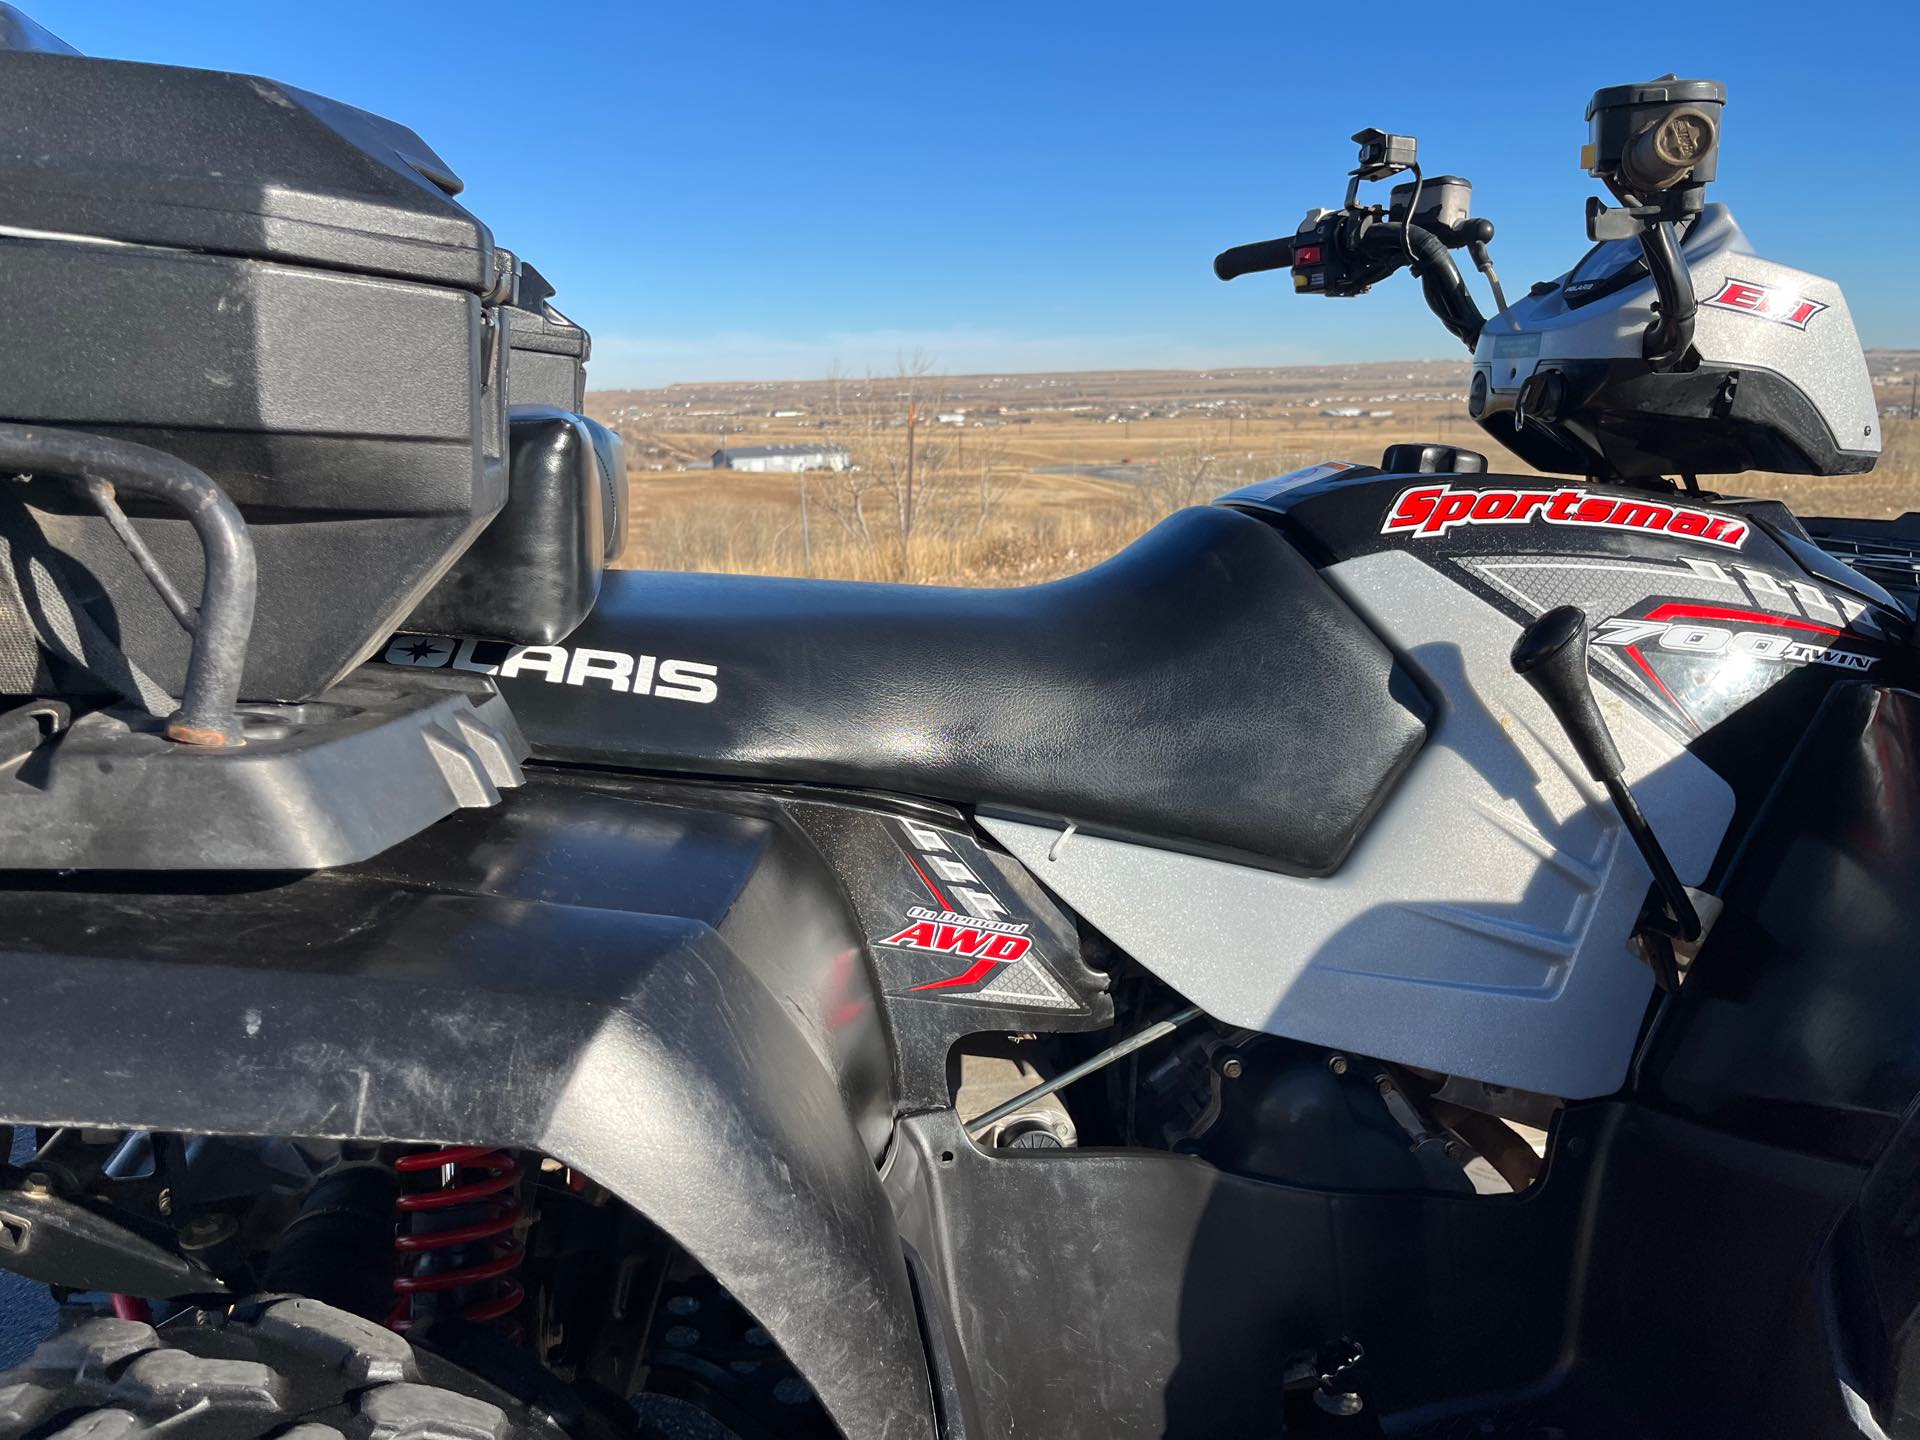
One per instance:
(549, 361)
(279, 289)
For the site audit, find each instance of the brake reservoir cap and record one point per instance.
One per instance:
(1655, 134)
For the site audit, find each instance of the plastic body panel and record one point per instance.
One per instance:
(1479, 926)
(670, 996)
(1809, 380)
(112, 793)
(1729, 640)
(1800, 1024)
(1556, 1313)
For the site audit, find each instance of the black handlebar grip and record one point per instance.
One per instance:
(1245, 259)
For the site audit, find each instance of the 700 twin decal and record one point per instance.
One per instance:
(1428, 511)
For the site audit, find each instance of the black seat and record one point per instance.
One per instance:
(1204, 688)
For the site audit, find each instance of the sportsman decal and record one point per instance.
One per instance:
(1427, 511)
(617, 670)
(1768, 302)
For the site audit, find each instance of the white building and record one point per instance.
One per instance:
(783, 459)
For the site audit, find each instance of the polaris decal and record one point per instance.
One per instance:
(1429, 511)
(1769, 302)
(627, 674)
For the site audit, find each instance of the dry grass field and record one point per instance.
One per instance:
(1045, 475)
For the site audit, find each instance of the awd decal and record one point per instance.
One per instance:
(967, 924)
(1427, 511)
(945, 932)
(624, 673)
(1769, 302)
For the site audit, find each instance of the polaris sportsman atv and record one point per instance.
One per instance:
(454, 988)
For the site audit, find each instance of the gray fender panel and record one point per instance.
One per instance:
(1479, 926)
(641, 1048)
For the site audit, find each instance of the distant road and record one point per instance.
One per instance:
(1126, 473)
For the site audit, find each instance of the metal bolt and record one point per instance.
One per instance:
(1233, 1067)
(1338, 1064)
(1384, 1084)
(163, 1202)
(37, 1184)
(1456, 1152)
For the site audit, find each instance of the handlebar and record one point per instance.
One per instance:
(1447, 294)
(1361, 250)
(1246, 259)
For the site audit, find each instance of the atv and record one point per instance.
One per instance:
(1404, 950)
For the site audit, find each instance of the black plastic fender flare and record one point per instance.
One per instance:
(638, 1047)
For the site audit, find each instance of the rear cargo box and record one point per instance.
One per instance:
(279, 289)
(549, 361)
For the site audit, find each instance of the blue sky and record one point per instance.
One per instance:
(756, 191)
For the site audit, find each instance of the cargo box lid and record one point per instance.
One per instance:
(532, 322)
(229, 164)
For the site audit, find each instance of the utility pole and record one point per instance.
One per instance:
(906, 511)
(806, 535)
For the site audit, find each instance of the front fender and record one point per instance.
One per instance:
(670, 999)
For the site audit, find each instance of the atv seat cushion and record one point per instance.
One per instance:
(1205, 689)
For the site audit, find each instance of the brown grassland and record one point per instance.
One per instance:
(1017, 494)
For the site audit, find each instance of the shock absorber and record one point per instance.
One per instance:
(460, 1236)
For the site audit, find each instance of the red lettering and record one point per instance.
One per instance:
(1452, 509)
(968, 940)
(964, 938)
(1561, 503)
(1530, 502)
(1642, 515)
(1738, 295)
(1412, 509)
(1593, 511)
(1691, 522)
(1494, 505)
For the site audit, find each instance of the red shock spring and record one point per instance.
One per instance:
(491, 1245)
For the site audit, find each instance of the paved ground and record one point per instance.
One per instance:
(26, 1310)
